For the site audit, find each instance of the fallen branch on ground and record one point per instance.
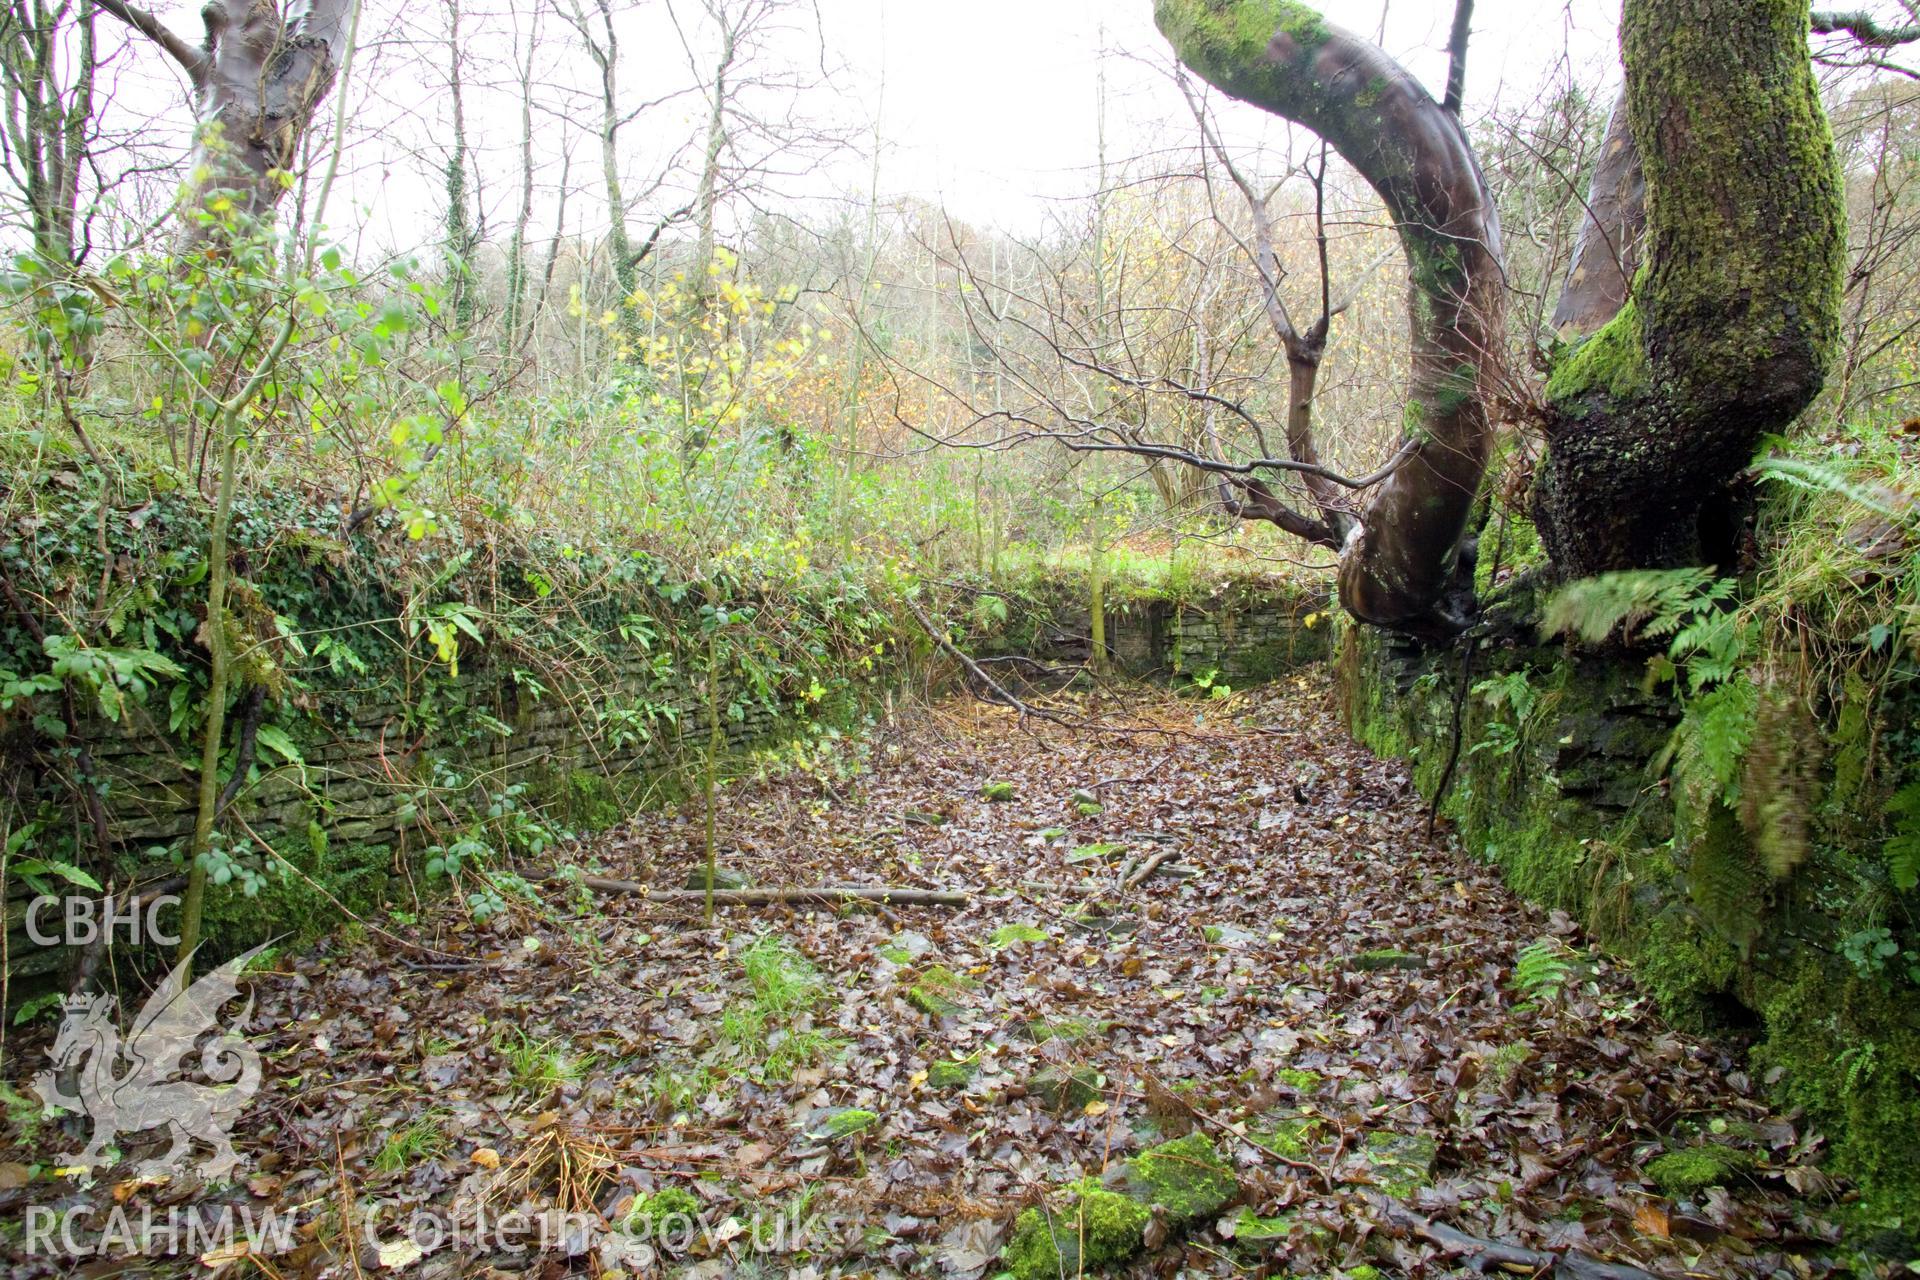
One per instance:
(1000, 695)
(1148, 867)
(1479, 1255)
(768, 897)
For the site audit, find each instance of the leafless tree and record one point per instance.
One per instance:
(48, 62)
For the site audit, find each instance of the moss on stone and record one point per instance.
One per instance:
(1685, 968)
(953, 1073)
(844, 1124)
(1849, 1049)
(1401, 1163)
(1008, 934)
(936, 993)
(1066, 1090)
(1686, 1173)
(1041, 1030)
(1298, 1078)
(593, 802)
(1385, 958)
(1186, 1177)
(1251, 1228)
(1289, 1134)
(304, 902)
(1095, 1229)
(1571, 822)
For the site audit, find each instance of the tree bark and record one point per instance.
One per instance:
(707, 198)
(1403, 566)
(1607, 251)
(259, 80)
(605, 53)
(48, 124)
(517, 247)
(461, 235)
(1735, 315)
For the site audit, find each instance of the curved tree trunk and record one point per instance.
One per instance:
(1403, 565)
(1606, 254)
(1732, 321)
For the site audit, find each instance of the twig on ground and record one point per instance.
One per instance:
(1147, 868)
(768, 897)
(978, 672)
(1479, 1255)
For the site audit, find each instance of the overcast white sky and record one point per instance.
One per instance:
(988, 108)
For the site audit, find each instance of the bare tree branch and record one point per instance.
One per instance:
(192, 58)
(1457, 57)
(1864, 28)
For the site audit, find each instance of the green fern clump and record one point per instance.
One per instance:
(1726, 884)
(1543, 970)
(1642, 603)
(1711, 741)
(1903, 846)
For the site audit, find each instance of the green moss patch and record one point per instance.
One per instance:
(1686, 1173)
(1066, 1090)
(843, 1124)
(1611, 362)
(1099, 1227)
(1401, 1163)
(1071, 1030)
(1252, 1228)
(1095, 1229)
(1186, 1177)
(1288, 1133)
(649, 1211)
(1009, 934)
(952, 1073)
(939, 992)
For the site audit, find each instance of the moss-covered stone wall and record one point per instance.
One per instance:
(1558, 781)
(1243, 634)
(563, 691)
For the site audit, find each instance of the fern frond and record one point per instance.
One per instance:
(1816, 477)
(1653, 602)
(1903, 846)
(1712, 738)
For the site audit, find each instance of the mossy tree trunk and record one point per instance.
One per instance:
(1714, 331)
(1404, 565)
(462, 235)
(1730, 324)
